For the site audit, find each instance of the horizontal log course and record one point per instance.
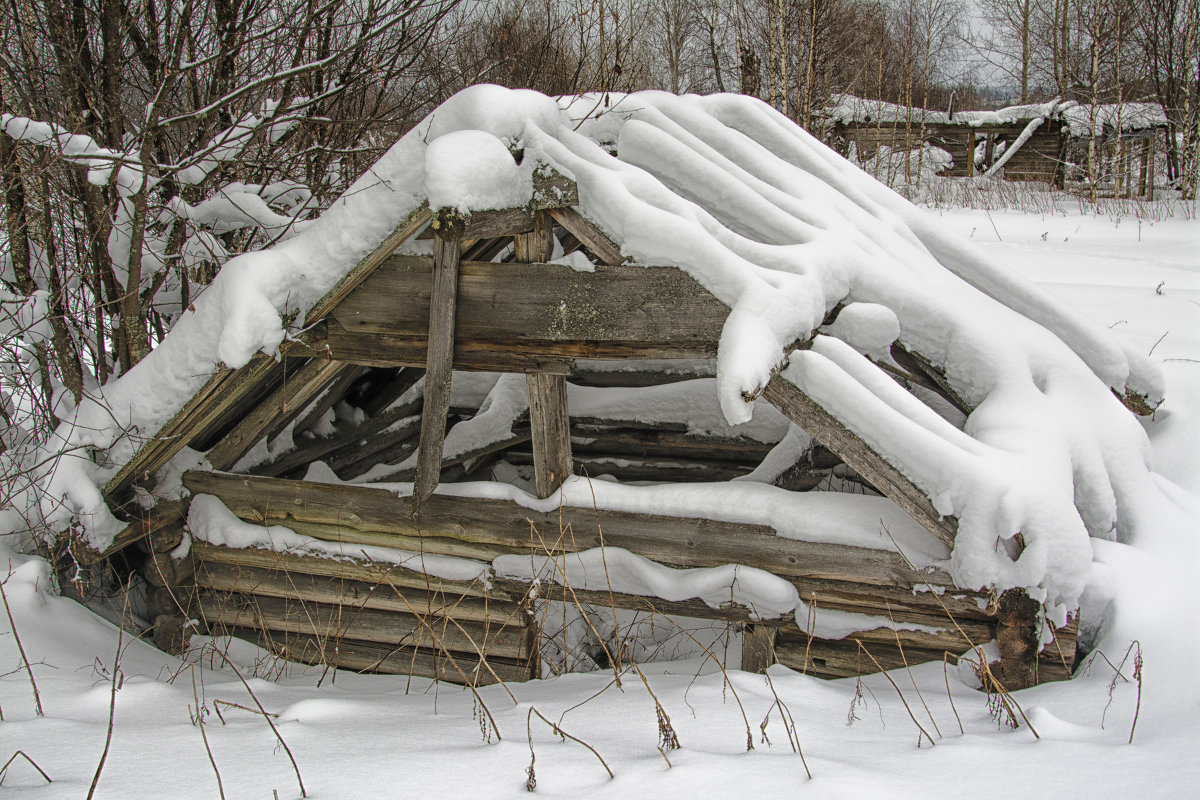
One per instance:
(538, 312)
(377, 595)
(847, 658)
(340, 620)
(677, 541)
(360, 656)
(353, 566)
(955, 636)
(632, 468)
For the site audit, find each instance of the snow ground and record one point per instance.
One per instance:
(391, 737)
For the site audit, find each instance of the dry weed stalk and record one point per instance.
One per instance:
(1117, 673)
(32, 763)
(531, 779)
(667, 738)
(862, 648)
(198, 721)
(37, 697)
(117, 680)
(1000, 701)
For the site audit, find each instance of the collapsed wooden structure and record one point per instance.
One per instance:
(496, 412)
(1047, 139)
(973, 145)
(387, 340)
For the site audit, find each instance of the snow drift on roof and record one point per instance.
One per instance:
(780, 229)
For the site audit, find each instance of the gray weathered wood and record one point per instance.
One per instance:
(550, 426)
(758, 647)
(358, 656)
(338, 620)
(439, 367)
(285, 403)
(415, 221)
(359, 594)
(679, 541)
(347, 377)
(536, 312)
(829, 431)
(592, 237)
(451, 224)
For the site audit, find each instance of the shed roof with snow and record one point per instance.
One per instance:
(766, 353)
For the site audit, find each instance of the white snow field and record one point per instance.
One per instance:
(358, 736)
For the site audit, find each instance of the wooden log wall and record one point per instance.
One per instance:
(303, 605)
(1039, 159)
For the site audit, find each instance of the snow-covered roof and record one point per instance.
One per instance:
(780, 229)
(1126, 117)
(848, 109)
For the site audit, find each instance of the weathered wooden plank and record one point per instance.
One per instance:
(614, 312)
(350, 566)
(359, 594)
(226, 389)
(844, 658)
(758, 647)
(384, 395)
(537, 246)
(667, 444)
(284, 404)
(592, 237)
(671, 540)
(415, 221)
(661, 470)
(357, 656)
(346, 435)
(954, 636)
(451, 224)
(338, 620)
(550, 425)
(439, 367)
(830, 432)
(164, 519)
(349, 375)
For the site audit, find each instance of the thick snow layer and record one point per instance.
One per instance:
(780, 229)
(472, 170)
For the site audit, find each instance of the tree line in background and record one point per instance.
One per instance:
(143, 142)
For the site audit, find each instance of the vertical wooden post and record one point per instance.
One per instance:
(1151, 142)
(537, 246)
(758, 647)
(551, 429)
(548, 416)
(971, 153)
(988, 149)
(439, 364)
(1017, 640)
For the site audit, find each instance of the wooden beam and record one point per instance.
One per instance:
(348, 376)
(592, 237)
(346, 435)
(338, 620)
(678, 541)
(829, 431)
(285, 403)
(537, 246)
(758, 647)
(359, 594)
(415, 221)
(551, 432)
(521, 317)
(226, 389)
(451, 224)
(439, 367)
